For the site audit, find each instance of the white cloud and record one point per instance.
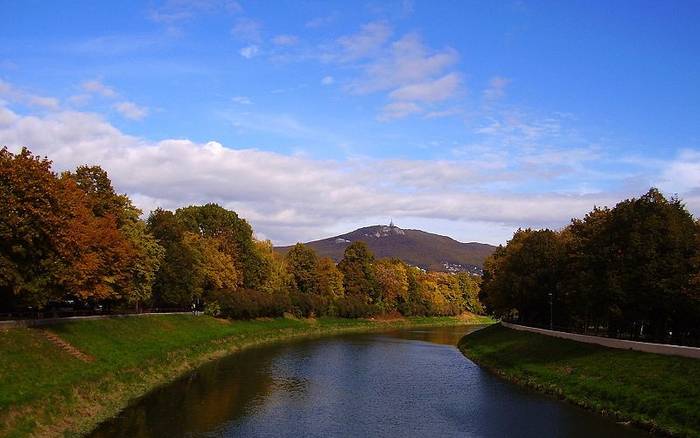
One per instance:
(291, 198)
(243, 100)
(130, 110)
(247, 30)
(14, 94)
(407, 61)
(285, 40)
(430, 91)
(405, 68)
(497, 88)
(7, 117)
(327, 80)
(43, 101)
(98, 87)
(398, 110)
(367, 42)
(249, 51)
(79, 99)
(682, 173)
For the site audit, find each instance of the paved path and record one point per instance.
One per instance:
(647, 347)
(53, 321)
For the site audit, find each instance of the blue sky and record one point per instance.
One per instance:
(311, 118)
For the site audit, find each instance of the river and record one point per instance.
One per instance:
(408, 382)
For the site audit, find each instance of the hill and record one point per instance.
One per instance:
(432, 252)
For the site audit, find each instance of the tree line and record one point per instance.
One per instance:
(631, 271)
(72, 237)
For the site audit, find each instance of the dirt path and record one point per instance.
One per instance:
(65, 346)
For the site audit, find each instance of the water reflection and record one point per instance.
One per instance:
(398, 383)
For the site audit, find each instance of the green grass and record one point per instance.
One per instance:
(654, 391)
(46, 391)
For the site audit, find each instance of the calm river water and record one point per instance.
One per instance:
(411, 382)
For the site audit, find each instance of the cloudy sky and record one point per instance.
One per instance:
(311, 118)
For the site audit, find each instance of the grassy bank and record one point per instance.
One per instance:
(657, 392)
(47, 391)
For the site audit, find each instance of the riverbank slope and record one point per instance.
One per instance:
(657, 392)
(66, 378)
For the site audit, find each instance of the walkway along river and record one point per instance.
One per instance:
(410, 382)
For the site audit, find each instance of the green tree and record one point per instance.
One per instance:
(585, 281)
(144, 266)
(520, 276)
(653, 245)
(358, 272)
(235, 235)
(302, 265)
(201, 253)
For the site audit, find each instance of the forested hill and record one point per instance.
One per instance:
(425, 250)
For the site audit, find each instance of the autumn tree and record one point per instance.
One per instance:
(469, 287)
(417, 303)
(55, 245)
(33, 228)
(103, 199)
(145, 254)
(392, 282)
(329, 279)
(277, 278)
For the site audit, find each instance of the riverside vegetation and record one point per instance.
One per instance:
(631, 271)
(653, 391)
(47, 391)
(72, 237)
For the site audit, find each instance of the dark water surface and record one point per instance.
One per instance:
(411, 382)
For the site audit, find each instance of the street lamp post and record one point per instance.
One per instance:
(551, 311)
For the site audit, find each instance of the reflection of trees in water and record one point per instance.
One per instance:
(353, 385)
(215, 394)
(442, 335)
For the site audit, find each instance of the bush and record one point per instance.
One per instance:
(212, 309)
(309, 305)
(356, 307)
(248, 303)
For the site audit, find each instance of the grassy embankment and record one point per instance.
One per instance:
(47, 391)
(658, 392)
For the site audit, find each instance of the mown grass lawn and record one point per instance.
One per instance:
(658, 392)
(46, 391)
